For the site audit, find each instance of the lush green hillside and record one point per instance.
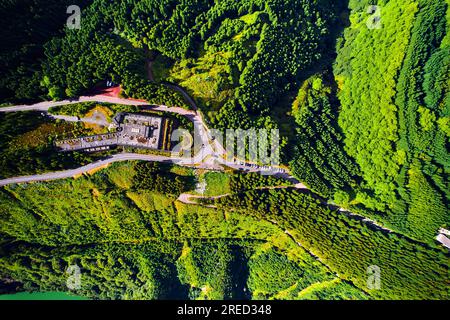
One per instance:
(372, 132)
(134, 243)
(409, 269)
(394, 122)
(154, 246)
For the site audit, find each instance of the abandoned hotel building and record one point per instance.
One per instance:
(131, 129)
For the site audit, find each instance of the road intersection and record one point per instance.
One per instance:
(211, 155)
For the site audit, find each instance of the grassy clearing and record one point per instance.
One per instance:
(100, 109)
(335, 289)
(204, 78)
(250, 18)
(122, 174)
(182, 171)
(150, 201)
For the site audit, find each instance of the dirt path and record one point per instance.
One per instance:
(185, 197)
(183, 93)
(149, 59)
(149, 68)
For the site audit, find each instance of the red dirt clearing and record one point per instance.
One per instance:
(138, 100)
(108, 92)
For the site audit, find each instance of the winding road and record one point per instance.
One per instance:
(84, 169)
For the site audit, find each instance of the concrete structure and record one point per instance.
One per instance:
(140, 131)
(90, 142)
(132, 129)
(443, 240)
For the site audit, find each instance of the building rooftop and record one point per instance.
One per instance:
(140, 131)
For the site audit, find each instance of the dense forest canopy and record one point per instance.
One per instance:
(26, 27)
(395, 125)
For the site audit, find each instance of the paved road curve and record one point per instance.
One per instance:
(73, 172)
